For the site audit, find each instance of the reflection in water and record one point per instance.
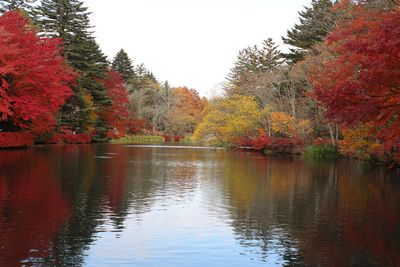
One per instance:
(32, 208)
(116, 205)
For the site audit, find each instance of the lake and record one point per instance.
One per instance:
(118, 205)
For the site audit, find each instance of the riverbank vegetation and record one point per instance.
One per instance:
(335, 91)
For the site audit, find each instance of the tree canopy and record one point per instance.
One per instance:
(33, 77)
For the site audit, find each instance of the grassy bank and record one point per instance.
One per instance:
(150, 139)
(139, 139)
(321, 151)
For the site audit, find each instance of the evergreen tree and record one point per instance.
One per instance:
(245, 62)
(142, 79)
(315, 23)
(269, 57)
(144, 73)
(123, 64)
(254, 60)
(150, 76)
(69, 20)
(63, 18)
(7, 5)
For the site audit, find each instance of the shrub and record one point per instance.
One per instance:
(67, 136)
(136, 126)
(265, 142)
(167, 138)
(261, 142)
(12, 139)
(178, 138)
(244, 142)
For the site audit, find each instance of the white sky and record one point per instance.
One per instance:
(190, 43)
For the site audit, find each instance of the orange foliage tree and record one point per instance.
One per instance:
(358, 141)
(186, 112)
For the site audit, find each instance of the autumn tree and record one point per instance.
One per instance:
(359, 81)
(116, 115)
(227, 119)
(379, 4)
(33, 77)
(186, 111)
(358, 141)
(285, 125)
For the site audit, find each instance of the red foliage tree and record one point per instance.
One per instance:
(360, 79)
(33, 77)
(117, 115)
(137, 126)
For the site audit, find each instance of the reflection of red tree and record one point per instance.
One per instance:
(116, 170)
(379, 217)
(32, 207)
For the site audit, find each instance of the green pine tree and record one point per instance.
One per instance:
(8, 5)
(123, 64)
(315, 23)
(253, 60)
(269, 57)
(69, 20)
(142, 79)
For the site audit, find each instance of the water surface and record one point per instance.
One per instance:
(116, 205)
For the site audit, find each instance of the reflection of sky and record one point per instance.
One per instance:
(189, 231)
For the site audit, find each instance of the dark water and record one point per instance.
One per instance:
(124, 206)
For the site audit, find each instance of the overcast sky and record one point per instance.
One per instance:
(190, 43)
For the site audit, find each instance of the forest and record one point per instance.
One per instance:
(335, 92)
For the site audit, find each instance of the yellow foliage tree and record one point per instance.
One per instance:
(91, 112)
(288, 126)
(359, 142)
(228, 118)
